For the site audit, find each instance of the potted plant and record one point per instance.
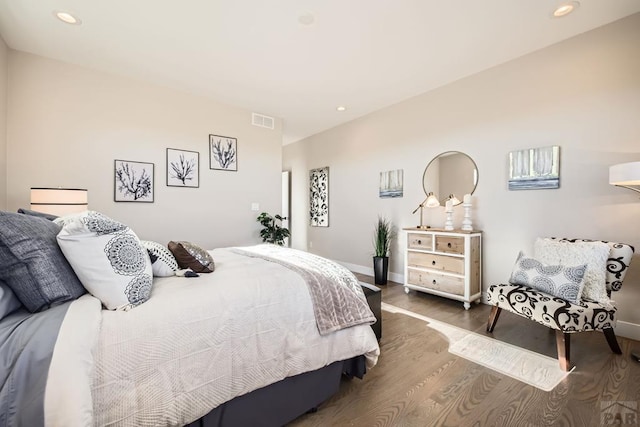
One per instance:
(382, 236)
(272, 232)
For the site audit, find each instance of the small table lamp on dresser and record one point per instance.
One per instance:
(626, 175)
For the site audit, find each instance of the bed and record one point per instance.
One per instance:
(240, 346)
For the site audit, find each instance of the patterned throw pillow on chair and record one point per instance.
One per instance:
(594, 254)
(562, 281)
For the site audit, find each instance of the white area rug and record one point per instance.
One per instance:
(531, 368)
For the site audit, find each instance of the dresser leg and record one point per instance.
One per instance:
(467, 306)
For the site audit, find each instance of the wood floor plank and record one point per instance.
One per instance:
(418, 383)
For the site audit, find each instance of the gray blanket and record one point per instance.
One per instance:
(338, 299)
(26, 346)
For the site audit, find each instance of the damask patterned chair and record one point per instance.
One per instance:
(558, 313)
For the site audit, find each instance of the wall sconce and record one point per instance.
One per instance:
(59, 201)
(431, 202)
(625, 175)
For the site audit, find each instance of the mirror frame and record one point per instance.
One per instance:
(475, 185)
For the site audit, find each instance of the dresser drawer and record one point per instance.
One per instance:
(436, 262)
(450, 244)
(437, 282)
(420, 241)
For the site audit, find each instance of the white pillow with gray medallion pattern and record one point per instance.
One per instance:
(108, 258)
(163, 263)
(561, 281)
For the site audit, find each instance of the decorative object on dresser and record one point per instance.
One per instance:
(59, 201)
(382, 236)
(626, 175)
(272, 232)
(319, 197)
(223, 153)
(448, 224)
(183, 168)
(535, 295)
(133, 181)
(534, 168)
(444, 263)
(466, 222)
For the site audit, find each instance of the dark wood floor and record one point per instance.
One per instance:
(417, 382)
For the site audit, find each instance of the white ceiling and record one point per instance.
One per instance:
(255, 54)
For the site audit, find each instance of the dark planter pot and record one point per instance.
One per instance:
(380, 269)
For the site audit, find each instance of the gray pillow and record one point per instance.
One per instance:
(32, 264)
(36, 213)
(8, 301)
(561, 281)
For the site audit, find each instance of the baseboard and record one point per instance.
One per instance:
(628, 330)
(394, 277)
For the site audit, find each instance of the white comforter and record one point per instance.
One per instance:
(196, 343)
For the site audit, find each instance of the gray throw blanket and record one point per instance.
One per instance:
(26, 346)
(338, 299)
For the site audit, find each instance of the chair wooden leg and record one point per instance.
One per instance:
(610, 335)
(493, 318)
(563, 343)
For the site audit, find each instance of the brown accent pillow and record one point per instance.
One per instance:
(192, 256)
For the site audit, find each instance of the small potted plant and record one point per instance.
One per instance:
(272, 232)
(382, 236)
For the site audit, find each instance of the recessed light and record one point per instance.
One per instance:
(306, 18)
(66, 17)
(565, 8)
(341, 108)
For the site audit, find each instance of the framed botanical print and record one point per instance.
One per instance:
(223, 153)
(183, 168)
(133, 181)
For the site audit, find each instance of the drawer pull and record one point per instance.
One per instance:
(433, 262)
(449, 245)
(419, 242)
(434, 281)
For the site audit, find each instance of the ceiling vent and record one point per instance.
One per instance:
(262, 121)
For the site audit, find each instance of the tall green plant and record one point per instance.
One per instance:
(382, 236)
(272, 232)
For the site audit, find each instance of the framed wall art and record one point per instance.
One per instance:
(534, 168)
(391, 184)
(319, 197)
(133, 181)
(223, 153)
(183, 168)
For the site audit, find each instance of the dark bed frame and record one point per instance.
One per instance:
(282, 402)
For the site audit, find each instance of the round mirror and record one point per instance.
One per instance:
(450, 175)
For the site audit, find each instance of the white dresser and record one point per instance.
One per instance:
(444, 263)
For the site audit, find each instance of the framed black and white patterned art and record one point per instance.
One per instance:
(319, 197)
(183, 168)
(133, 181)
(223, 153)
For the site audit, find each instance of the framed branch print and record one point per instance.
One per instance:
(319, 197)
(223, 153)
(183, 168)
(133, 181)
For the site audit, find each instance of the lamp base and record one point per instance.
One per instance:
(423, 227)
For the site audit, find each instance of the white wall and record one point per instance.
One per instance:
(582, 94)
(4, 61)
(67, 124)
